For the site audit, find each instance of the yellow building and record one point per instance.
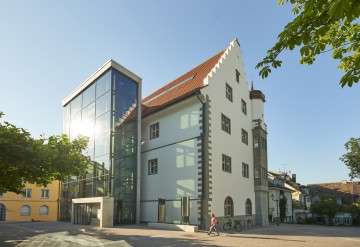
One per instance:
(37, 204)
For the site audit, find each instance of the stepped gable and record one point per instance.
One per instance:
(182, 87)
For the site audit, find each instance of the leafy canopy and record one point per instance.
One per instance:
(320, 26)
(352, 157)
(37, 161)
(326, 207)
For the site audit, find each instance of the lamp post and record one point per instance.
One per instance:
(276, 199)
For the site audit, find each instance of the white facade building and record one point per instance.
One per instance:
(197, 142)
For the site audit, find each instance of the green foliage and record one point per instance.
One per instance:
(37, 161)
(326, 207)
(320, 25)
(309, 221)
(297, 204)
(352, 157)
(355, 207)
(282, 206)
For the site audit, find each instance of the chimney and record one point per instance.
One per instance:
(294, 178)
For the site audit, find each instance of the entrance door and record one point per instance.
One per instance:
(2, 212)
(82, 214)
(87, 213)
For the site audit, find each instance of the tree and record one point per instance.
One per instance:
(325, 207)
(296, 204)
(38, 161)
(282, 206)
(320, 26)
(352, 157)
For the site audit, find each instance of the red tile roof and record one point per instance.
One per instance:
(180, 88)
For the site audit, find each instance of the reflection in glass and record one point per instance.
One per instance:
(66, 111)
(89, 151)
(66, 126)
(103, 124)
(103, 161)
(76, 105)
(124, 171)
(109, 118)
(88, 113)
(75, 125)
(103, 84)
(102, 144)
(87, 129)
(125, 86)
(89, 95)
(103, 104)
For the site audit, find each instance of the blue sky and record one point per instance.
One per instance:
(47, 48)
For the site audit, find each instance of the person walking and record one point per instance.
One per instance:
(213, 225)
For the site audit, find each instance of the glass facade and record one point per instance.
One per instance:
(106, 112)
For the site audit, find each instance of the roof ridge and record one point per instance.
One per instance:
(173, 87)
(181, 80)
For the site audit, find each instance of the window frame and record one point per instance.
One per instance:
(226, 124)
(27, 194)
(263, 143)
(263, 173)
(45, 191)
(243, 107)
(22, 213)
(226, 163)
(244, 137)
(154, 130)
(47, 210)
(256, 142)
(228, 92)
(248, 207)
(237, 76)
(228, 207)
(152, 164)
(245, 170)
(257, 174)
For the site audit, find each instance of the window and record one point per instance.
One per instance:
(65, 194)
(244, 136)
(154, 131)
(45, 193)
(25, 210)
(26, 193)
(226, 163)
(263, 142)
(225, 124)
(1, 195)
(228, 207)
(237, 74)
(257, 172)
(44, 210)
(229, 93)
(248, 207)
(152, 166)
(256, 142)
(347, 221)
(263, 173)
(245, 170)
(243, 106)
